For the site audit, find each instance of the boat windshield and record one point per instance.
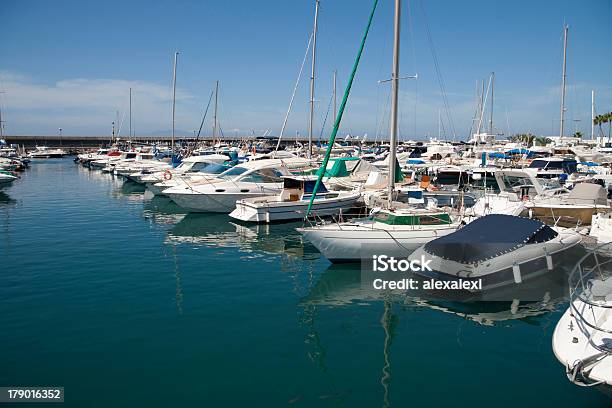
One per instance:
(550, 184)
(208, 168)
(264, 176)
(233, 172)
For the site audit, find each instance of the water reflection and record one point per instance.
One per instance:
(219, 231)
(340, 285)
(162, 210)
(5, 198)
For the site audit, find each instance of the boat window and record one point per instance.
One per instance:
(130, 155)
(209, 168)
(434, 220)
(550, 184)
(233, 172)
(264, 176)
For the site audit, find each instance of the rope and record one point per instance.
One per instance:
(347, 91)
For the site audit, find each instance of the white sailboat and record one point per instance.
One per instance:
(398, 227)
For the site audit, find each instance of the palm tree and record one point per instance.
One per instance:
(603, 119)
(578, 135)
(542, 141)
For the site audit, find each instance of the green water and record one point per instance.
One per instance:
(125, 300)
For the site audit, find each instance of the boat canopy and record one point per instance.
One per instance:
(588, 193)
(489, 237)
(305, 183)
(520, 151)
(337, 167)
(497, 155)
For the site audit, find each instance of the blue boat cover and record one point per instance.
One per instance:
(488, 237)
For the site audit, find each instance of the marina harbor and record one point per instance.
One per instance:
(347, 224)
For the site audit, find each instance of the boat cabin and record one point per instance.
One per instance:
(296, 188)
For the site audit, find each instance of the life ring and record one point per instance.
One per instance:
(167, 175)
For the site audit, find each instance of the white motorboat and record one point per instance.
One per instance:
(101, 154)
(132, 168)
(575, 208)
(399, 230)
(6, 178)
(582, 338)
(104, 163)
(292, 202)
(44, 152)
(497, 250)
(191, 169)
(251, 179)
(552, 167)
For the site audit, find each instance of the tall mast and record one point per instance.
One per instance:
(563, 81)
(312, 78)
(1, 122)
(334, 80)
(174, 98)
(215, 114)
(592, 114)
(130, 113)
(491, 117)
(394, 93)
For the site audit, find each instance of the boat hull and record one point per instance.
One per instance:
(353, 243)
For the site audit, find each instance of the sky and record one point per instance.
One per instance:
(70, 64)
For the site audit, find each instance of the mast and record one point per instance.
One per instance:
(334, 80)
(174, 98)
(312, 78)
(394, 93)
(130, 113)
(491, 117)
(592, 114)
(565, 29)
(215, 114)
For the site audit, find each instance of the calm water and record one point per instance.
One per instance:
(125, 300)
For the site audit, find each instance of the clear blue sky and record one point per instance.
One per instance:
(69, 64)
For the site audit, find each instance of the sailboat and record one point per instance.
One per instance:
(398, 227)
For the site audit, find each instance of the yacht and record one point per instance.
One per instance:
(575, 208)
(553, 167)
(43, 152)
(191, 169)
(292, 202)
(581, 340)
(251, 179)
(497, 250)
(6, 178)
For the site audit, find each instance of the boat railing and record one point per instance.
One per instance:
(596, 265)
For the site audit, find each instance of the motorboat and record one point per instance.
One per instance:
(497, 250)
(44, 152)
(553, 167)
(575, 208)
(293, 201)
(6, 178)
(398, 230)
(582, 338)
(132, 168)
(191, 169)
(104, 163)
(86, 158)
(251, 179)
